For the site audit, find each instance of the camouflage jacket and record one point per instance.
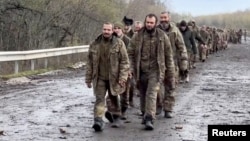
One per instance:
(125, 39)
(177, 42)
(164, 55)
(118, 61)
(205, 37)
(197, 35)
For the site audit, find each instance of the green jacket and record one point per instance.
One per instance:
(118, 61)
(177, 42)
(164, 55)
(188, 37)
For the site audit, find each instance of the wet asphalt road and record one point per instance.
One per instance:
(218, 93)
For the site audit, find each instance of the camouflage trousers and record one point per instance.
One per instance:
(132, 90)
(215, 47)
(202, 52)
(209, 49)
(124, 99)
(166, 98)
(100, 92)
(191, 60)
(149, 87)
(224, 44)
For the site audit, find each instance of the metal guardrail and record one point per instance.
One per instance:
(37, 54)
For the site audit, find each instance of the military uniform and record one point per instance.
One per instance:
(166, 99)
(107, 64)
(130, 33)
(215, 40)
(124, 97)
(152, 61)
(209, 45)
(188, 37)
(202, 49)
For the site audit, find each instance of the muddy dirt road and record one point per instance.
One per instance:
(218, 93)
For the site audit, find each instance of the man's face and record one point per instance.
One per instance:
(183, 28)
(107, 30)
(203, 28)
(150, 23)
(164, 18)
(190, 27)
(127, 27)
(138, 27)
(118, 31)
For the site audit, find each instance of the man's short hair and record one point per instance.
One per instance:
(165, 12)
(150, 16)
(138, 22)
(109, 23)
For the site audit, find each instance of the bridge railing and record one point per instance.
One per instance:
(16, 56)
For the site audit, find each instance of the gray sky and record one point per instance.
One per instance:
(207, 7)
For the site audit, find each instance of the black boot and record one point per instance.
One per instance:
(168, 114)
(142, 113)
(109, 116)
(124, 117)
(149, 122)
(117, 121)
(98, 124)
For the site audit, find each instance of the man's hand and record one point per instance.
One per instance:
(122, 83)
(130, 75)
(89, 85)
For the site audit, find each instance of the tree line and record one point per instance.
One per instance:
(39, 24)
(236, 20)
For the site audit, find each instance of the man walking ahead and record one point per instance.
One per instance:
(151, 56)
(107, 69)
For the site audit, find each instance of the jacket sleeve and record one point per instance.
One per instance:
(124, 63)
(169, 61)
(89, 66)
(198, 38)
(131, 53)
(194, 47)
(180, 45)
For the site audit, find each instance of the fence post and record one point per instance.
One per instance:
(16, 67)
(46, 63)
(32, 65)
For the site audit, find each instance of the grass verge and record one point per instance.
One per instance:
(25, 73)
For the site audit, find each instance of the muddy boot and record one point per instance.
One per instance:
(117, 122)
(98, 124)
(158, 110)
(143, 121)
(142, 113)
(168, 114)
(124, 117)
(109, 116)
(187, 78)
(149, 122)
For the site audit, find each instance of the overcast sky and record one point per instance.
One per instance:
(207, 7)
